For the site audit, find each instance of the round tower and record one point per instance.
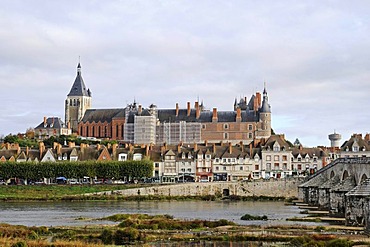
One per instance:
(265, 117)
(335, 139)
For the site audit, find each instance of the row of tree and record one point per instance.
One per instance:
(126, 170)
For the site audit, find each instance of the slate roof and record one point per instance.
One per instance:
(346, 185)
(169, 115)
(318, 152)
(102, 115)
(361, 190)
(78, 87)
(355, 138)
(52, 122)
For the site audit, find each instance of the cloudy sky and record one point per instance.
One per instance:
(313, 56)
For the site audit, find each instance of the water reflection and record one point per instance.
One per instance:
(68, 213)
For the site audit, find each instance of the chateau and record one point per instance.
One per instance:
(248, 121)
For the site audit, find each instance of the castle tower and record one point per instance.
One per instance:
(77, 102)
(265, 117)
(335, 139)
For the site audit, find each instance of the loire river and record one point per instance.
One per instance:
(86, 212)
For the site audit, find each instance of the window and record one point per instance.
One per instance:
(256, 167)
(276, 148)
(268, 157)
(250, 135)
(156, 165)
(299, 167)
(249, 127)
(355, 149)
(241, 168)
(226, 126)
(226, 136)
(276, 166)
(268, 166)
(276, 157)
(203, 126)
(224, 168)
(217, 168)
(285, 158)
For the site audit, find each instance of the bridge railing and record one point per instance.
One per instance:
(358, 160)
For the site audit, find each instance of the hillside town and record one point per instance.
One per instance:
(189, 144)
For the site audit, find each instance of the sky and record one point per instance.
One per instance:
(312, 55)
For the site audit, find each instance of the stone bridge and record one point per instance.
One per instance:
(343, 188)
(286, 188)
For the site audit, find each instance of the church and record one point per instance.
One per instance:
(249, 120)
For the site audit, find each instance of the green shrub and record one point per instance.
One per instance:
(20, 244)
(33, 235)
(106, 236)
(252, 217)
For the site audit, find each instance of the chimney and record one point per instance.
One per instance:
(41, 148)
(69, 125)
(7, 146)
(98, 147)
(27, 151)
(114, 149)
(163, 149)
(230, 148)
(71, 144)
(59, 149)
(147, 150)
(245, 100)
(140, 110)
(242, 146)
(189, 109)
(131, 148)
(55, 145)
(205, 143)
(179, 148)
(258, 96)
(367, 137)
(195, 147)
(177, 109)
(18, 149)
(250, 150)
(45, 122)
(238, 115)
(197, 110)
(214, 115)
(214, 148)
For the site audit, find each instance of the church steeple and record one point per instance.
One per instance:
(78, 87)
(77, 102)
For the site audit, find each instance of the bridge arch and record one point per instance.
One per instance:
(345, 175)
(332, 174)
(363, 178)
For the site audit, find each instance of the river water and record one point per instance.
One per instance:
(86, 212)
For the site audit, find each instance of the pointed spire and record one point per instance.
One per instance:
(78, 87)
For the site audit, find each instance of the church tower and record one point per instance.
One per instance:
(77, 102)
(265, 117)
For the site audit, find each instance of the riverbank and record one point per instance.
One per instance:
(145, 230)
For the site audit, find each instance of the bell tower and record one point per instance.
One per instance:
(77, 102)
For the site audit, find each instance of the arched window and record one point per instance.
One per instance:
(345, 175)
(332, 174)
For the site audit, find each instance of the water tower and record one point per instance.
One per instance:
(335, 140)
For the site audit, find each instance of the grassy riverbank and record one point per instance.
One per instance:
(54, 192)
(146, 230)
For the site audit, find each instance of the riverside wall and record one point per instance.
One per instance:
(270, 188)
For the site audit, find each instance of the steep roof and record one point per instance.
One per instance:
(361, 190)
(51, 122)
(78, 87)
(102, 115)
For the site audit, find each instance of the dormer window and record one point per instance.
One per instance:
(355, 149)
(276, 148)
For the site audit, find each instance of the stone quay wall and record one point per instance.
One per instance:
(270, 188)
